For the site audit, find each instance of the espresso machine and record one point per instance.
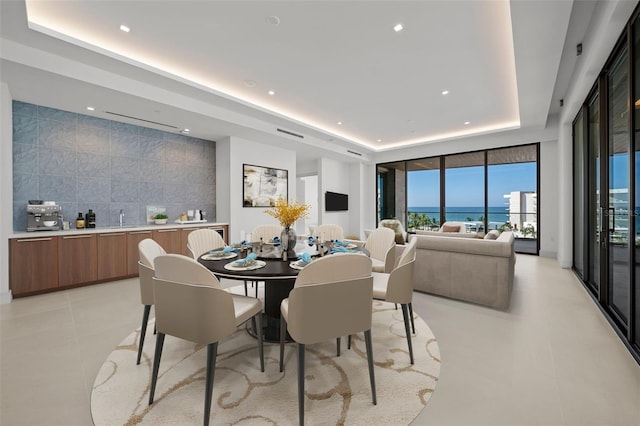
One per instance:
(43, 216)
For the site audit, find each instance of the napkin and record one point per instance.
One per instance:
(251, 258)
(276, 240)
(340, 243)
(304, 259)
(339, 249)
(228, 249)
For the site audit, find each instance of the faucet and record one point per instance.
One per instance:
(121, 217)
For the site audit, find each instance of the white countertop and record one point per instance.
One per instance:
(113, 229)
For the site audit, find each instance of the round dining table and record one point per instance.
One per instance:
(278, 275)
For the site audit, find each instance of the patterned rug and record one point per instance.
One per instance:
(337, 388)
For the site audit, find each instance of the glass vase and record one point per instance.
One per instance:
(288, 241)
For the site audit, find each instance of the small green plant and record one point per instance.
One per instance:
(161, 216)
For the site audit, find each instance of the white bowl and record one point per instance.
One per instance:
(49, 222)
(160, 221)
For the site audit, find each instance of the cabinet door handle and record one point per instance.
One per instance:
(34, 239)
(167, 230)
(74, 237)
(139, 232)
(112, 235)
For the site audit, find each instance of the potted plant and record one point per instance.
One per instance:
(160, 219)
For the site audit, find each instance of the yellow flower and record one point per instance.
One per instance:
(286, 213)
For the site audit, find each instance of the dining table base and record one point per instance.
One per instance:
(275, 292)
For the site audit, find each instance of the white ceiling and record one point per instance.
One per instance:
(208, 65)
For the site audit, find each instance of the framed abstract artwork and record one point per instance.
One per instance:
(263, 185)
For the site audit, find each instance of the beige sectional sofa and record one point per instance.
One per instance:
(474, 270)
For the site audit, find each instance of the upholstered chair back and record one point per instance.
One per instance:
(183, 269)
(329, 231)
(266, 232)
(202, 240)
(148, 249)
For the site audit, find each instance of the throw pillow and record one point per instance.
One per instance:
(492, 235)
(450, 228)
(394, 225)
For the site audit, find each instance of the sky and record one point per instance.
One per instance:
(465, 185)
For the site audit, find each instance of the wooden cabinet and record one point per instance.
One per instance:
(33, 265)
(169, 239)
(112, 255)
(133, 238)
(77, 259)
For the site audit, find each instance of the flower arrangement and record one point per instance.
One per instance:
(287, 214)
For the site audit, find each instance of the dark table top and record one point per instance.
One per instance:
(275, 268)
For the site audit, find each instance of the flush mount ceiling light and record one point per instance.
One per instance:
(445, 92)
(272, 20)
(398, 27)
(90, 108)
(125, 28)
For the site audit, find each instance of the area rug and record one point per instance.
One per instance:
(337, 388)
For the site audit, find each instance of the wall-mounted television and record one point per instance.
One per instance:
(335, 202)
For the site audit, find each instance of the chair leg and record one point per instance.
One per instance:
(283, 333)
(413, 326)
(338, 340)
(256, 289)
(156, 365)
(300, 383)
(349, 342)
(212, 353)
(372, 378)
(396, 306)
(407, 329)
(143, 331)
(257, 324)
(246, 293)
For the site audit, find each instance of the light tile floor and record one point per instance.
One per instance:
(551, 359)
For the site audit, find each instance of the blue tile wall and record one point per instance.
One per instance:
(84, 162)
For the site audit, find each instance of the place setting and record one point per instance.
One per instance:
(249, 263)
(226, 253)
(303, 260)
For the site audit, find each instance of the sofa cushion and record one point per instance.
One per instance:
(396, 226)
(450, 228)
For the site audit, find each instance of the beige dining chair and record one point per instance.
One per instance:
(148, 250)
(381, 244)
(191, 305)
(397, 287)
(201, 241)
(331, 298)
(329, 232)
(266, 232)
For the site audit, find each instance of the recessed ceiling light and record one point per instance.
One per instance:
(250, 83)
(185, 131)
(271, 92)
(379, 140)
(125, 28)
(90, 108)
(445, 92)
(398, 27)
(467, 122)
(339, 123)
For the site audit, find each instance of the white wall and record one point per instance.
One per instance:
(6, 188)
(335, 176)
(311, 198)
(548, 199)
(231, 154)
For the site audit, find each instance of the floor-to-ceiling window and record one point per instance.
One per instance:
(489, 189)
(606, 143)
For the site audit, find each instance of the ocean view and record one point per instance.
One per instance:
(497, 214)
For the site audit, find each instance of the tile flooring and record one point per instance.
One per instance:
(551, 359)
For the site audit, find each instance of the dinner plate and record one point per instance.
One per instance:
(256, 265)
(349, 246)
(295, 265)
(221, 256)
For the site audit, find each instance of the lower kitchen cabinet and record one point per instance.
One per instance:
(169, 239)
(33, 265)
(112, 255)
(133, 238)
(77, 259)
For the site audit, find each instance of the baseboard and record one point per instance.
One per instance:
(6, 297)
(550, 254)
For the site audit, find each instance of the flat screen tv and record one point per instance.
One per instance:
(335, 202)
